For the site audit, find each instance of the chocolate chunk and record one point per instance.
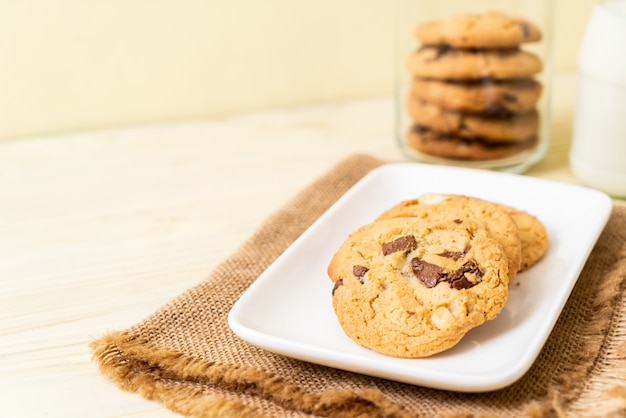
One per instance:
(420, 129)
(359, 271)
(427, 273)
(406, 243)
(525, 30)
(461, 283)
(509, 98)
(458, 221)
(338, 284)
(494, 109)
(455, 255)
(442, 50)
(458, 279)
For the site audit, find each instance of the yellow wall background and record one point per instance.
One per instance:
(82, 64)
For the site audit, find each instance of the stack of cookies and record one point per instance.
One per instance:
(473, 95)
(414, 281)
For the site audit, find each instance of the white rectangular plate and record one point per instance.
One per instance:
(288, 309)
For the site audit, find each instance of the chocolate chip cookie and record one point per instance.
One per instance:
(506, 127)
(408, 287)
(454, 147)
(489, 97)
(443, 62)
(488, 30)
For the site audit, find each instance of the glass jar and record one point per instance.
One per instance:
(473, 81)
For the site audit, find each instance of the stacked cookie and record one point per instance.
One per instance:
(414, 281)
(473, 94)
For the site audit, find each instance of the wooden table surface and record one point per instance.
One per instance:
(99, 229)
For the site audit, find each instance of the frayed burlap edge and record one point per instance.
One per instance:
(135, 366)
(177, 381)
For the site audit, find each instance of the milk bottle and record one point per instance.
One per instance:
(598, 152)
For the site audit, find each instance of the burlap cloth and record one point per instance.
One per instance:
(185, 355)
